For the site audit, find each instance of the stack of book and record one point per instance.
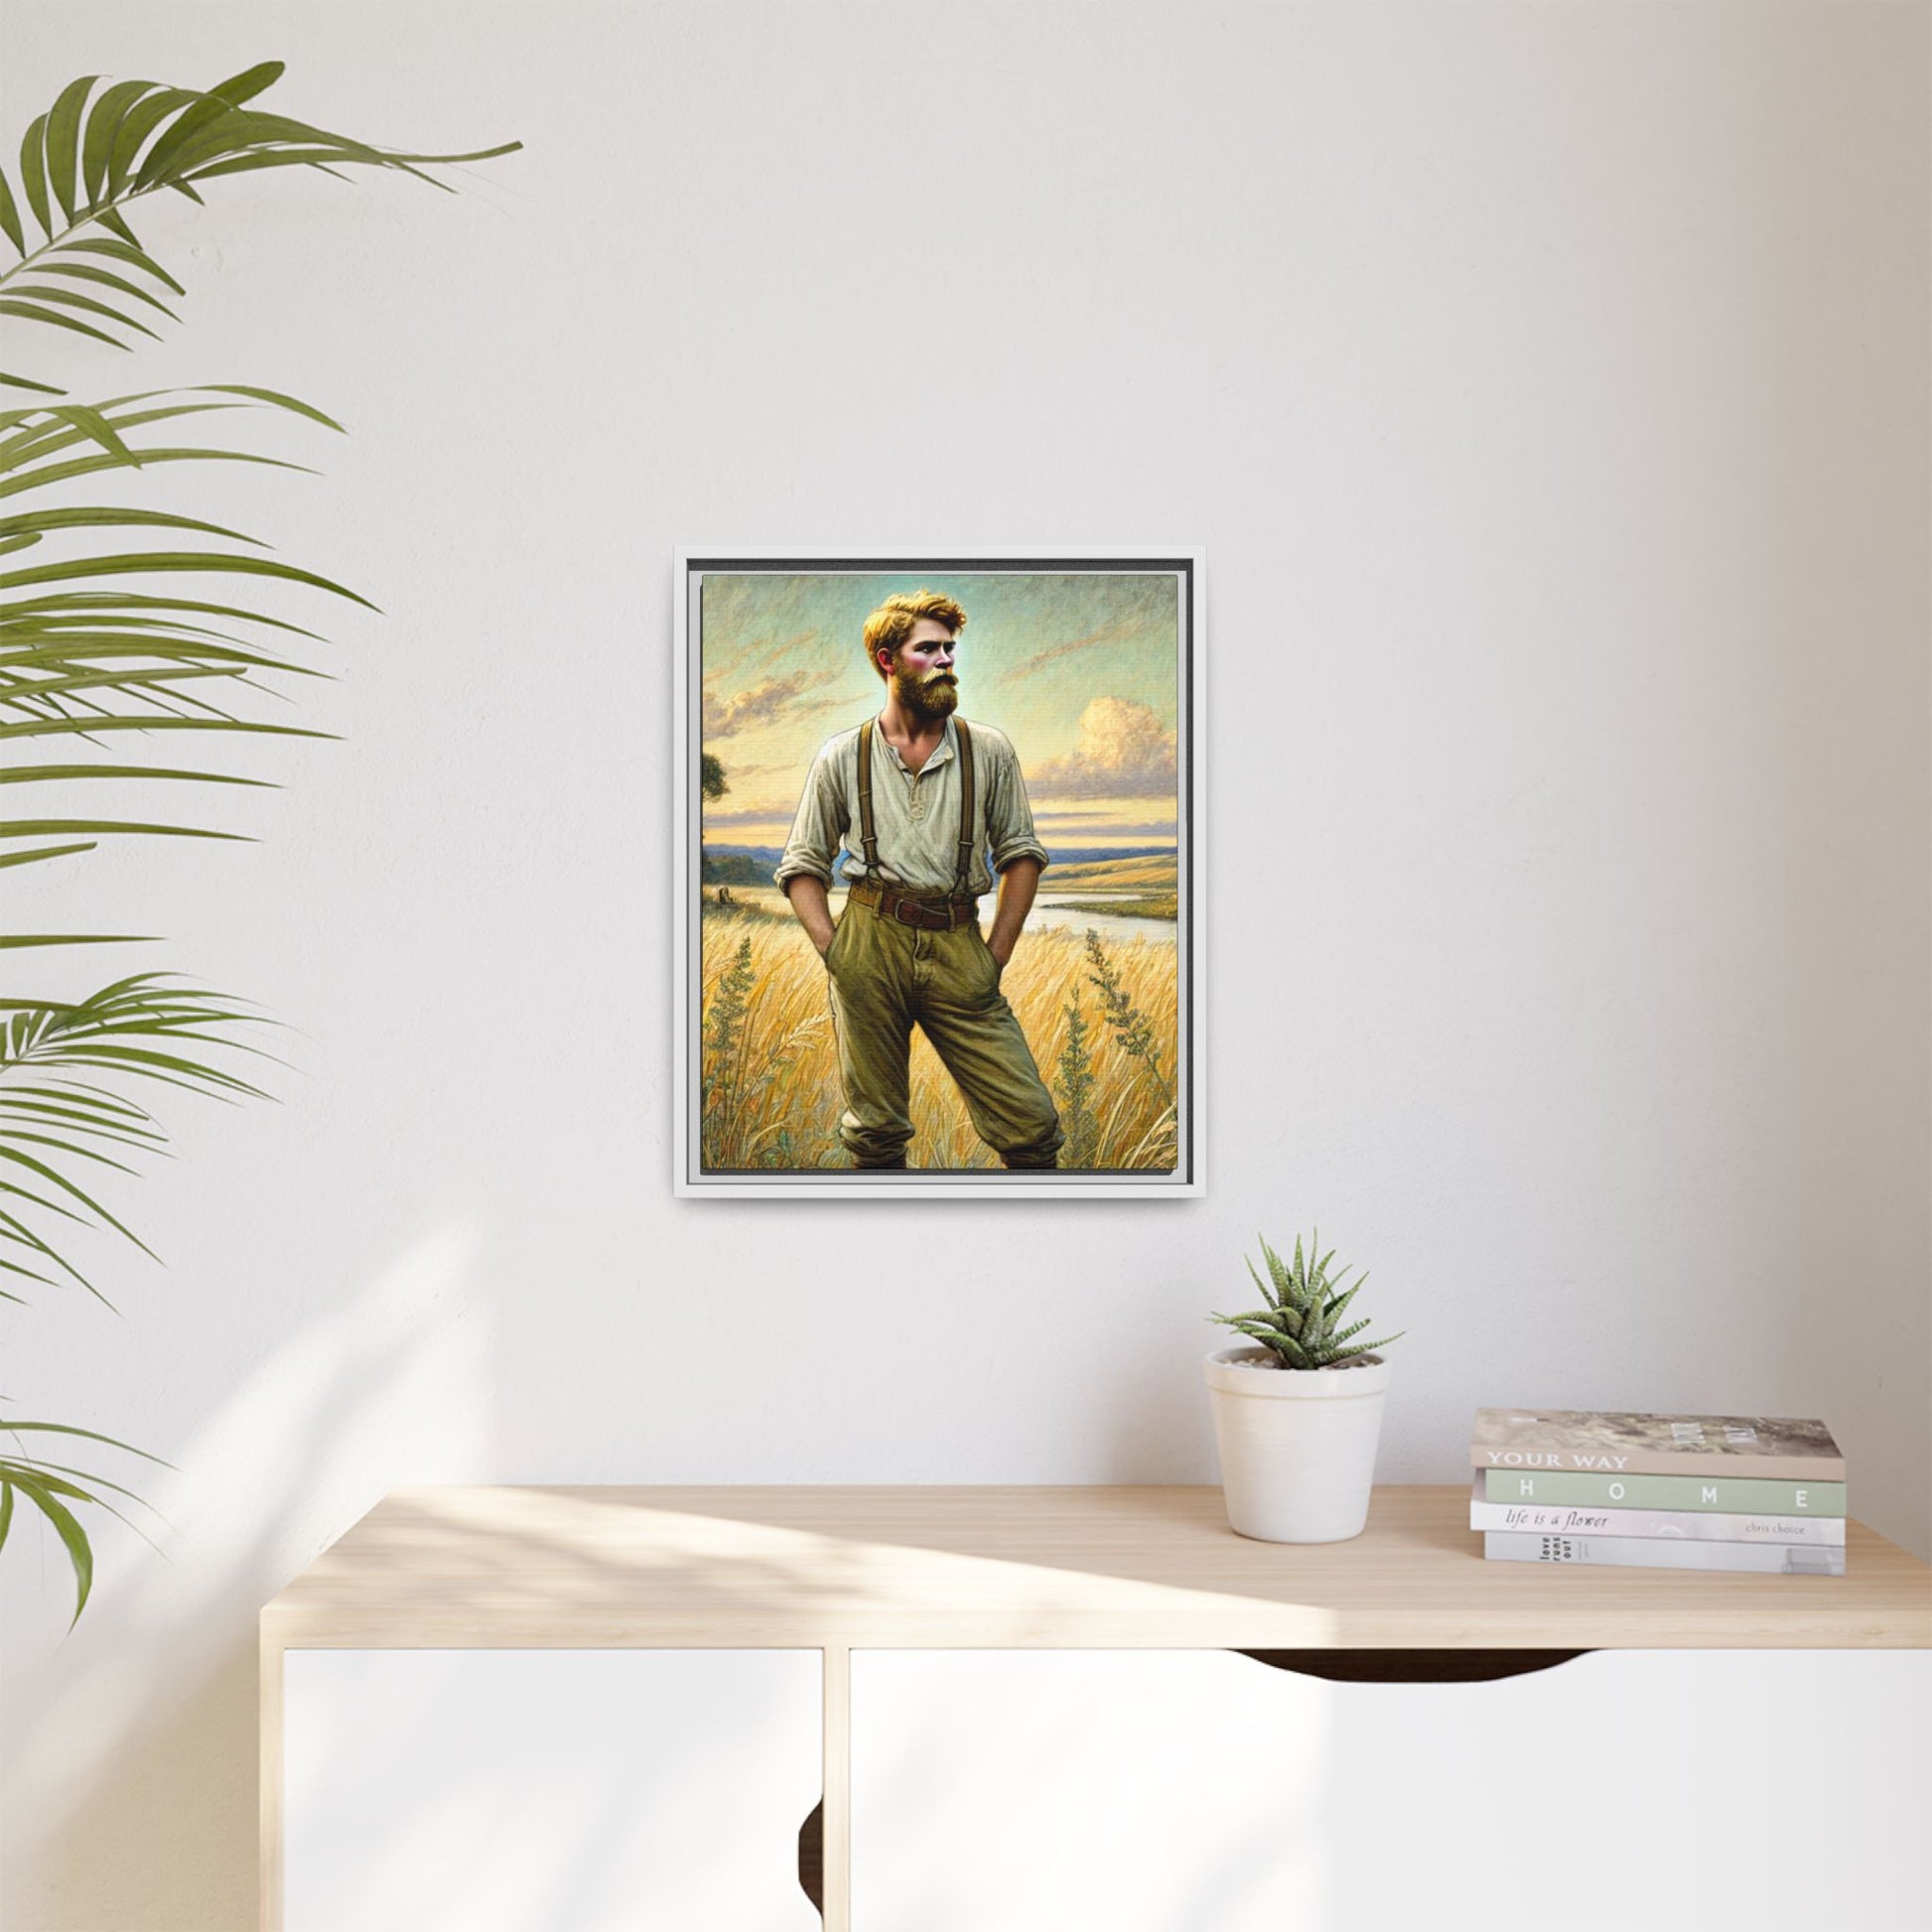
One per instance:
(1665, 1492)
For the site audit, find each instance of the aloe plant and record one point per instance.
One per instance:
(104, 646)
(1302, 1323)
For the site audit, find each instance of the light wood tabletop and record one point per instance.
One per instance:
(1048, 1566)
(838, 1570)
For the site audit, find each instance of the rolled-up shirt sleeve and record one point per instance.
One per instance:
(1009, 817)
(821, 822)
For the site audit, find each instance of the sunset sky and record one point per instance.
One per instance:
(1081, 671)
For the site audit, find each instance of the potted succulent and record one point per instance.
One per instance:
(1296, 1416)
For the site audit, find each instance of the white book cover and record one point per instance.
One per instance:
(1667, 1525)
(1647, 1553)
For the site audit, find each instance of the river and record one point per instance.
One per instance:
(1048, 911)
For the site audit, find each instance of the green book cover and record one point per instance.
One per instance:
(1756, 1495)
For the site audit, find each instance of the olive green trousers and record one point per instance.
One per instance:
(887, 979)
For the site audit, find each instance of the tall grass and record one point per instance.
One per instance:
(1102, 1022)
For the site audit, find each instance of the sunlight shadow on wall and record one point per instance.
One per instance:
(390, 1389)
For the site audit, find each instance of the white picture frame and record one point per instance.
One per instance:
(710, 692)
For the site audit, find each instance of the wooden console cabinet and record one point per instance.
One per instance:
(975, 1710)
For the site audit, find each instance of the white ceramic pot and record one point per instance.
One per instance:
(1298, 1445)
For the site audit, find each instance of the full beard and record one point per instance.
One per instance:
(936, 696)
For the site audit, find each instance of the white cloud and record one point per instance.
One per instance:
(1122, 751)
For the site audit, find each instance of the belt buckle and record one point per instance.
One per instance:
(905, 912)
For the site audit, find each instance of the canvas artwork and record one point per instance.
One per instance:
(939, 920)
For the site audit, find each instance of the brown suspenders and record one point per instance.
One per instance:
(962, 886)
(868, 835)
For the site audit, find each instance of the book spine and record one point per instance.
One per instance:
(1643, 1553)
(1734, 1495)
(1691, 1525)
(1659, 1462)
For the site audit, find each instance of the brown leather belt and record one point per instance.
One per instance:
(929, 911)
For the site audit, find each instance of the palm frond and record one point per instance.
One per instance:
(81, 656)
(144, 1028)
(85, 654)
(53, 1487)
(92, 155)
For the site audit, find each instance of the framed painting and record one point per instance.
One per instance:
(939, 923)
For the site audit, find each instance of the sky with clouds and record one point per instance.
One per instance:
(1082, 671)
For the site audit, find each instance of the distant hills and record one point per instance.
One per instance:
(1133, 872)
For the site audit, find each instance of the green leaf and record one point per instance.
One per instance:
(79, 1091)
(88, 726)
(10, 215)
(165, 560)
(36, 1466)
(106, 279)
(1292, 1352)
(1268, 1293)
(159, 1066)
(63, 142)
(206, 114)
(1283, 1280)
(23, 828)
(42, 853)
(67, 1187)
(10, 1428)
(6, 1511)
(27, 382)
(57, 473)
(1368, 1347)
(53, 641)
(64, 773)
(21, 942)
(30, 427)
(248, 164)
(39, 1200)
(233, 131)
(80, 1552)
(75, 519)
(154, 683)
(78, 1120)
(19, 1134)
(272, 396)
(249, 83)
(73, 299)
(115, 222)
(121, 251)
(31, 311)
(136, 125)
(33, 174)
(103, 121)
(45, 430)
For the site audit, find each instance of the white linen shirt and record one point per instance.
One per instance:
(916, 814)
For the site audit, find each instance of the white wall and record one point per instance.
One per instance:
(1548, 387)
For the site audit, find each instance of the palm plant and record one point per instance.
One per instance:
(102, 647)
(1302, 1323)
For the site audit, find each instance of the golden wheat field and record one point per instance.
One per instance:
(770, 1068)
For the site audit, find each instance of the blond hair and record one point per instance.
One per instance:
(892, 624)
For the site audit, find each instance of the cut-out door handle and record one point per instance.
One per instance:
(811, 1857)
(1413, 1666)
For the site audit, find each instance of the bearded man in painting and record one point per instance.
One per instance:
(919, 797)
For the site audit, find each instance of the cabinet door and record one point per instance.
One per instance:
(1201, 1791)
(534, 1790)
